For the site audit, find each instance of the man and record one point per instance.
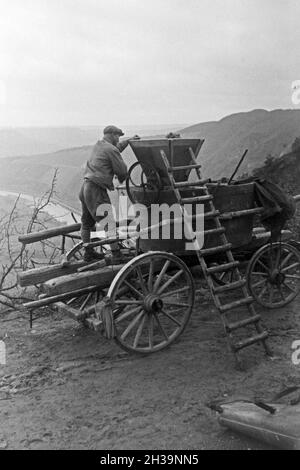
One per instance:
(105, 162)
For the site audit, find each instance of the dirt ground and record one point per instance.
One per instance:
(66, 387)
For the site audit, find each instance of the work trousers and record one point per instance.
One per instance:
(91, 196)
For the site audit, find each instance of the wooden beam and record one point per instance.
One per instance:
(44, 234)
(244, 213)
(34, 304)
(45, 273)
(73, 282)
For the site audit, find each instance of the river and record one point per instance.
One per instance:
(56, 210)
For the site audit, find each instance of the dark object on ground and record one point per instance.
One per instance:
(273, 423)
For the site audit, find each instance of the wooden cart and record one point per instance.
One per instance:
(146, 303)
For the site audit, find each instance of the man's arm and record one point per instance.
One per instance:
(118, 165)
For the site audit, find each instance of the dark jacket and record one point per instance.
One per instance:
(105, 162)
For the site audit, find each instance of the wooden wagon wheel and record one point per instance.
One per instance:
(77, 251)
(273, 275)
(157, 306)
(150, 182)
(86, 302)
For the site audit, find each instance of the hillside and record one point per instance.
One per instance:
(262, 132)
(33, 175)
(20, 141)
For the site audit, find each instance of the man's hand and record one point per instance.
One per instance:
(123, 144)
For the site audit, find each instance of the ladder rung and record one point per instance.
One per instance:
(223, 267)
(242, 323)
(187, 200)
(211, 214)
(189, 184)
(237, 303)
(216, 249)
(184, 167)
(247, 342)
(230, 286)
(213, 231)
(207, 215)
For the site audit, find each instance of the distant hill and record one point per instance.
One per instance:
(261, 132)
(20, 141)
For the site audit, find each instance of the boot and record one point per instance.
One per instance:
(91, 255)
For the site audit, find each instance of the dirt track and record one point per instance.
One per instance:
(65, 387)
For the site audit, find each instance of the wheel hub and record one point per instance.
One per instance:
(276, 277)
(153, 303)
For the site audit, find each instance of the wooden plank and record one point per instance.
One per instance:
(44, 234)
(42, 302)
(100, 277)
(45, 273)
(70, 311)
(244, 213)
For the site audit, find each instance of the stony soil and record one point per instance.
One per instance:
(65, 387)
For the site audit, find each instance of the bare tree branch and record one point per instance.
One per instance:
(21, 258)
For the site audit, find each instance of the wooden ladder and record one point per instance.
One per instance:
(224, 248)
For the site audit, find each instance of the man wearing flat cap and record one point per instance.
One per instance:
(104, 163)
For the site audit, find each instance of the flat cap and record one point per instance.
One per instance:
(113, 130)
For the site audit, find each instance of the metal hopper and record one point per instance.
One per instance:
(148, 153)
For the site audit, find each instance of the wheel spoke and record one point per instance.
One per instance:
(141, 279)
(174, 292)
(271, 294)
(139, 331)
(170, 281)
(127, 314)
(257, 284)
(174, 320)
(160, 327)
(150, 279)
(290, 267)
(132, 325)
(131, 287)
(289, 287)
(161, 274)
(264, 290)
(263, 265)
(221, 277)
(86, 300)
(277, 260)
(128, 302)
(293, 276)
(280, 291)
(289, 256)
(258, 273)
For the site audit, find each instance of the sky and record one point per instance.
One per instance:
(92, 62)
